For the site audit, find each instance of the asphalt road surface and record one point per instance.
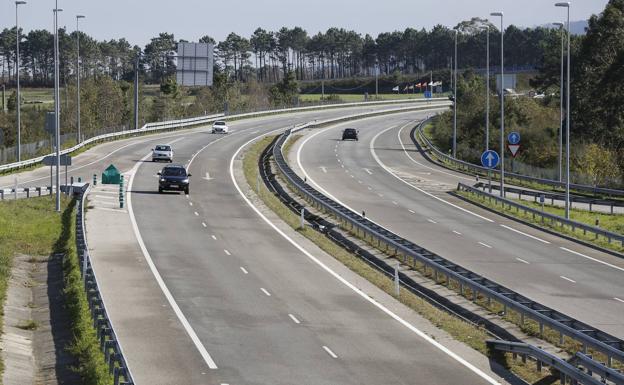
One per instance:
(384, 175)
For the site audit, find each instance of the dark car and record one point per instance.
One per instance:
(349, 133)
(173, 177)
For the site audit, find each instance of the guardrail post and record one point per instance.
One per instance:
(302, 218)
(27, 189)
(521, 319)
(121, 192)
(541, 328)
(2, 194)
(85, 260)
(39, 191)
(539, 366)
(397, 283)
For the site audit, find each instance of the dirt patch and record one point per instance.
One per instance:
(36, 327)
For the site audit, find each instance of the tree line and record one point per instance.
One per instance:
(269, 55)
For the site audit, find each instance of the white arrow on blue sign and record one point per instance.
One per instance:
(490, 159)
(513, 138)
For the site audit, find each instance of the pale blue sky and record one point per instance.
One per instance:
(139, 20)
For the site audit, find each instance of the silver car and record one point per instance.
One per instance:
(162, 152)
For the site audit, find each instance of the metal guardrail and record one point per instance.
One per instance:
(612, 347)
(573, 225)
(109, 343)
(605, 373)
(555, 197)
(476, 169)
(181, 123)
(567, 370)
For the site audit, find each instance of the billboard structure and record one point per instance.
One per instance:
(195, 64)
(509, 83)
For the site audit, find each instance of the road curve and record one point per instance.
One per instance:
(384, 175)
(263, 310)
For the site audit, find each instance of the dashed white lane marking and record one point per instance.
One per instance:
(618, 299)
(431, 221)
(295, 320)
(190, 203)
(227, 252)
(339, 161)
(380, 195)
(523, 261)
(368, 171)
(457, 232)
(106, 197)
(342, 165)
(328, 350)
(352, 176)
(525, 234)
(591, 259)
(412, 211)
(186, 195)
(567, 279)
(324, 169)
(214, 237)
(204, 224)
(265, 292)
(395, 203)
(196, 213)
(485, 245)
(391, 172)
(370, 188)
(244, 270)
(360, 182)
(345, 282)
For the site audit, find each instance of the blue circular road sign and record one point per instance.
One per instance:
(490, 159)
(513, 138)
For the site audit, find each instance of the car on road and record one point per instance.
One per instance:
(350, 134)
(173, 177)
(220, 127)
(162, 152)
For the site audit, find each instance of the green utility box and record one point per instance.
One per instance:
(111, 175)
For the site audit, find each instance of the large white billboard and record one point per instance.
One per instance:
(195, 64)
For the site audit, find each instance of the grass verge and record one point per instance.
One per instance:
(463, 331)
(85, 346)
(609, 222)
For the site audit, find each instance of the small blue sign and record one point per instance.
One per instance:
(427, 94)
(513, 138)
(490, 159)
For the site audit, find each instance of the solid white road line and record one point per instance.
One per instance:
(618, 299)
(213, 237)
(485, 245)
(567, 279)
(244, 270)
(591, 259)
(227, 252)
(348, 284)
(374, 154)
(457, 232)
(525, 234)
(523, 261)
(295, 320)
(332, 354)
(163, 287)
(265, 292)
(204, 224)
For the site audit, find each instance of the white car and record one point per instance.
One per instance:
(162, 152)
(220, 127)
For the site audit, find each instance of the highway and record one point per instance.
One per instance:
(265, 312)
(264, 308)
(384, 175)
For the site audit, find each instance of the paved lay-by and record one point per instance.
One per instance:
(399, 189)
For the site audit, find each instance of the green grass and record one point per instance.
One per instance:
(28, 325)
(614, 223)
(350, 98)
(471, 335)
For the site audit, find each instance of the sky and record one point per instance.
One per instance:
(140, 20)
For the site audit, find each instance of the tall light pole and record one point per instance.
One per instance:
(19, 100)
(487, 86)
(78, 17)
(455, 100)
(57, 108)
(502, 105)
(376, 79)
(567, 194)
(560, 25)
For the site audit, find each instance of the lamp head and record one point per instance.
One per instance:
(80, 16)
(20, 2)
(564, 4)
(500, 14)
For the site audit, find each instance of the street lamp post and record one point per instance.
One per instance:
(455, 100)
(78, 17)
(560, 25)
(376, 79)
(567, 194)
(57, 108)
(487, 87)
(17, 70)
(502, 103)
